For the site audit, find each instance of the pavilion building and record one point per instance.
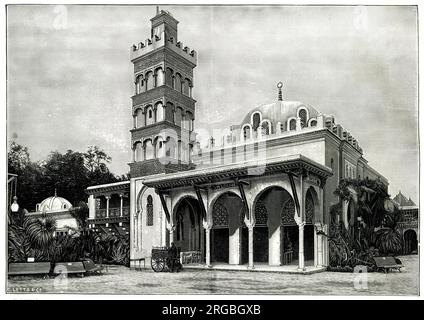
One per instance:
(408, 224)
(258, 196)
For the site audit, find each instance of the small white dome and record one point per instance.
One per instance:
(54, 203)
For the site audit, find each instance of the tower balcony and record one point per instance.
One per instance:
(162, 92)
(158, 42)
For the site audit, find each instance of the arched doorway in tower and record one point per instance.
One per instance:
(189, 234)
(410, 242)
(272, 238)
(229, 243)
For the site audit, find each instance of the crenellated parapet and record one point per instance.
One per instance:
(159, 41)
(341, 132)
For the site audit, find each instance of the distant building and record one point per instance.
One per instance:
(409, 223)
(57, 208)
(109, 208)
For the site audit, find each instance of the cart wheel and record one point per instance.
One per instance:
(157, 265)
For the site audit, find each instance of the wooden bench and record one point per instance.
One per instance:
(69, 268)
(91, 267)
(29, 268)
(387, 263)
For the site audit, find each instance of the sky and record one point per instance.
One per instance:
(69, 75)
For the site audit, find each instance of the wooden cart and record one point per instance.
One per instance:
(161, 259)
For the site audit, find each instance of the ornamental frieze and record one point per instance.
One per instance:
(178, 63)
(156, 93)
(149, 61)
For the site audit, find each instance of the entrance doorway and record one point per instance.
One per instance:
(260, 244)
(228, 243)
(220, 252)
(189, 233)
(410, 242)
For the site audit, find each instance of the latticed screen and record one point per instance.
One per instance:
(261, 214)
(309, 210)
(149, 211)
(287, 214)
(220, 215)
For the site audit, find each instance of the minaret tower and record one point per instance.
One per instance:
(162, 105)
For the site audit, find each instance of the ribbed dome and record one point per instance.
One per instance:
(280, 111)
(54, 203)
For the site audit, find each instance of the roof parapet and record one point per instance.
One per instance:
(156, 42)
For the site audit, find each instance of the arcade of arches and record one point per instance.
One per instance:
(275, 231)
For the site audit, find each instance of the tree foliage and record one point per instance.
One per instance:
(68, 173)
(372, 228)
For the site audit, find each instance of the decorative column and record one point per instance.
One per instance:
(301, 247)
(171, 229)
(208, 247)
(301, 224)
(316, 226)
(319, 260)
(121, 208)
(91, 206)
(251, 265)
(107, 205)
(135, 121)
(207, 226)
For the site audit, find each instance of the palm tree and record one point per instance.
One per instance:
(40, 232)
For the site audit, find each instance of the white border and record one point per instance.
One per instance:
(3, 244)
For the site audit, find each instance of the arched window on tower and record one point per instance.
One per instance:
(140, 118)
(150, 117)
(178, 82)
(139, 84)
(168, 77)
(159, 112)
(186, 87)
(313, 123)
(149, 80)
(256, 120)
(178, 116)
(170, 148)
(303, 118)
(149, 150)
(189, 118)
(159, 77)
(149, 211)
(292, 124)
(159, 148)
(139, 152)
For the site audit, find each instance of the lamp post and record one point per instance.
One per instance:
(14, 206)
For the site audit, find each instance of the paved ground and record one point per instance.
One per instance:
(121, 280)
